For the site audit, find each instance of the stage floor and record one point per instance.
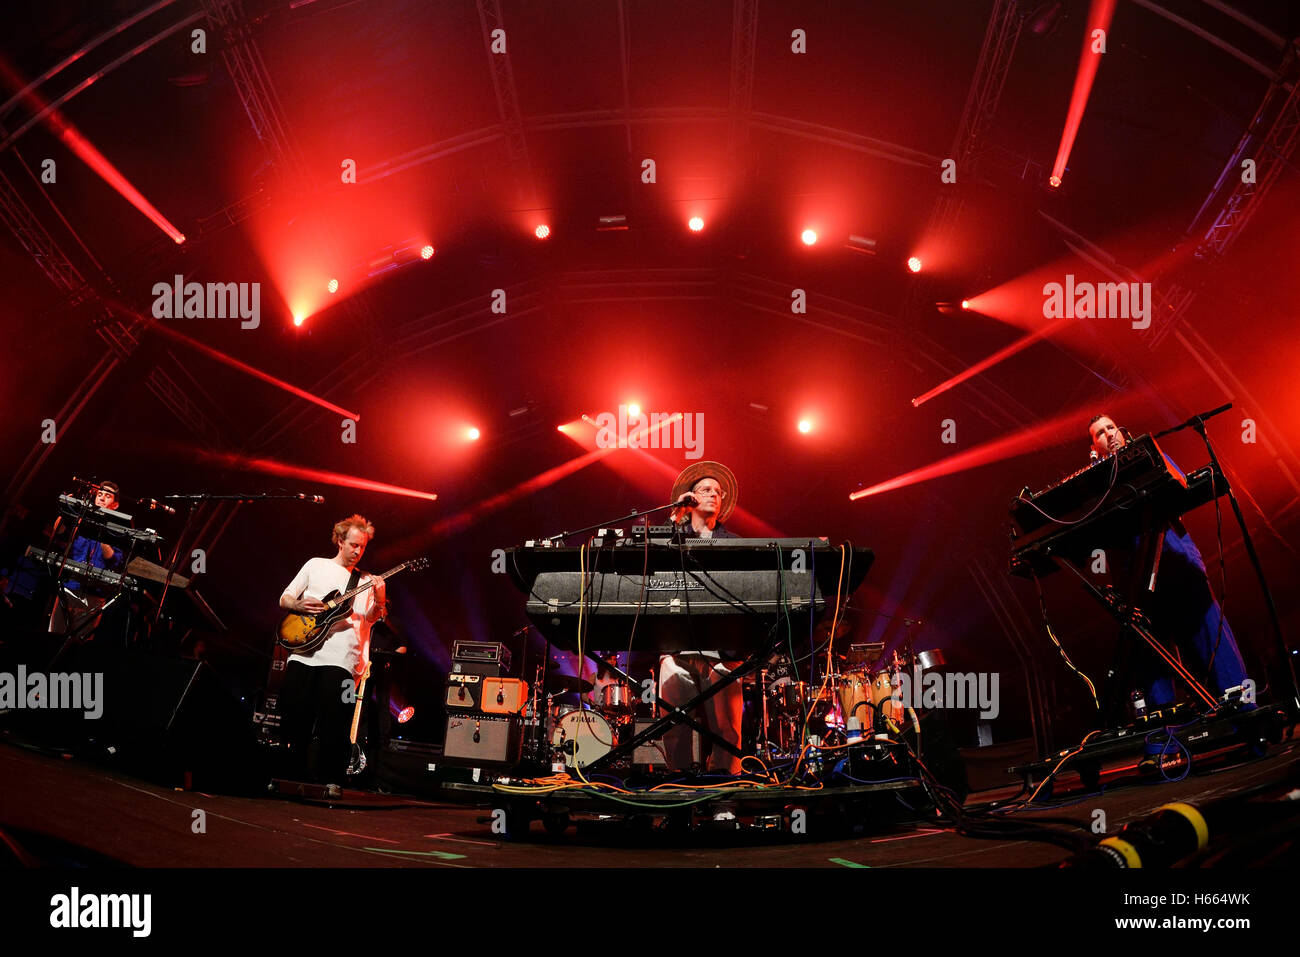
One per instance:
(64, 810)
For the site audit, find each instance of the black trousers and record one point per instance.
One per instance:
(312, 704)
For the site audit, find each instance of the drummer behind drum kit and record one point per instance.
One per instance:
(582, 734)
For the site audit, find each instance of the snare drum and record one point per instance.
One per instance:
(582, 736)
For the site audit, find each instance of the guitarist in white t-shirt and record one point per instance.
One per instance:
(317, 698)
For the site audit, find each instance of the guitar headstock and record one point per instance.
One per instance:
(418, 564)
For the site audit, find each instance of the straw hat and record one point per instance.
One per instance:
(696, 471)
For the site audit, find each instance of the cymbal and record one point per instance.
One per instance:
(567, 683)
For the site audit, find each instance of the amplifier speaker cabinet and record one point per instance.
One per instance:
(504, 695)
(651, 753)
(482, 740)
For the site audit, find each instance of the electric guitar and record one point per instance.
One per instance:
(307, 632)
(357, 763)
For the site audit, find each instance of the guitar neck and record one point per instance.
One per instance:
(374, 579)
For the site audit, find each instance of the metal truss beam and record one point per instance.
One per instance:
(507, 95)
(1270, 140)
(1001, 36)
(243, 61)
(740, 91)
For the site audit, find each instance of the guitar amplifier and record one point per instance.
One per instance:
(464, 691)
(482, 740)
(504, 695)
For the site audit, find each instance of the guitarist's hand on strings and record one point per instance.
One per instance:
(309, 606)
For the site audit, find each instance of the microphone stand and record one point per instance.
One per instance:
(195, 500)
(1197, 424)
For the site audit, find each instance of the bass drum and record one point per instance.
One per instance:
(581, 736)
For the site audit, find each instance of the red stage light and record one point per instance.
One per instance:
(299, 320)
(1099, 18)
(332, 285)
(473, 434)
(405, 715)
(426, 252)
(914, 264)
(542, 231)
(965, 303)
(805, 426)
(696, 224)
(633, 410)
(809, 237)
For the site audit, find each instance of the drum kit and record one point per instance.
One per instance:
(856, 701)
(579, 734)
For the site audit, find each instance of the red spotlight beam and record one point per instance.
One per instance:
(1019, 443)
(1006, 352)
(287, 470)
(96, 160)
(462, 520)
(1099, 18)
(232, 362)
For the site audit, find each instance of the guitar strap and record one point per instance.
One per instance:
(352, 583)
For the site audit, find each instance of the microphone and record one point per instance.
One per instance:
(314, 499)
(1093, 456)
(156, 506)
(687, 501)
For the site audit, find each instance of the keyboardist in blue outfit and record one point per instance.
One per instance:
(1183, 611)
(711, 486)
(89, 549)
